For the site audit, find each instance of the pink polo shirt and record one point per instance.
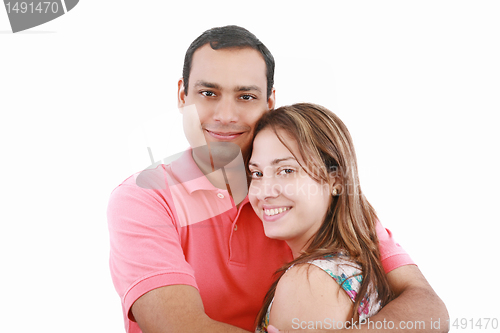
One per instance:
(191, 233)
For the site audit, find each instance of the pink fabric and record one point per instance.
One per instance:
(391, 253)
(152, 247)
(223, 253)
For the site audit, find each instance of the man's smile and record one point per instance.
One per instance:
(219, 135)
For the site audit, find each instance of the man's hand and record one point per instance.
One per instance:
(272, 329)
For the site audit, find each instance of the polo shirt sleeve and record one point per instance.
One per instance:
(145, 246)
(391, 253)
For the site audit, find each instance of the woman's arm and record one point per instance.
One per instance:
(306, 295)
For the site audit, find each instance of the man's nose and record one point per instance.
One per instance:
(226, 111)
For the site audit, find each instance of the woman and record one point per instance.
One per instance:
(305, 189)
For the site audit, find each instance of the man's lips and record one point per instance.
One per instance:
(224, 135)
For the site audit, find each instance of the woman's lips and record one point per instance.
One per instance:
(224, 136)
(276, 213)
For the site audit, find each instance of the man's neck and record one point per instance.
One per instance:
(206, 166)
(232, 177)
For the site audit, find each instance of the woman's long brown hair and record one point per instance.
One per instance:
(326, 148)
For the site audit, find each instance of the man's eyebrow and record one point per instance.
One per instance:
(206, 84)
(247, 88)
(213, 85)
(274, 162)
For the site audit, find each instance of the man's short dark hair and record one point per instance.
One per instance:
(228, 37)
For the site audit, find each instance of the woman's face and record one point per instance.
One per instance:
(290, 204)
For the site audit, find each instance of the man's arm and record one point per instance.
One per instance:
(156, 284)
(176, 308)
(415, 309)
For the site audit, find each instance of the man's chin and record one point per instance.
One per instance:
(223, 153)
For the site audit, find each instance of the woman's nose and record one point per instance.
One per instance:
(265, 188)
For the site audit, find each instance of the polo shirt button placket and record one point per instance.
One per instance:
(220, 195)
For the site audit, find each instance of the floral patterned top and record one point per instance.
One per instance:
(348, 275)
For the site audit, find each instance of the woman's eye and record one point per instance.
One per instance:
(256, 174)
(208, 93)
(286, 171)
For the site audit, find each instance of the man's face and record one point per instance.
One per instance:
(228, 88)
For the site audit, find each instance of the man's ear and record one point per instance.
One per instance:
(271, 101)
(180, 94)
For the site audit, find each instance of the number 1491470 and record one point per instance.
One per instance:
(32, 8)
(474, 323)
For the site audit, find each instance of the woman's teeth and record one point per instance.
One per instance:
(271, 212)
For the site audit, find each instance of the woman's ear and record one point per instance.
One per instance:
(336, 187)
(335, 178)
(336, 190)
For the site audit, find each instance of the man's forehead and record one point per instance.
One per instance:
(227, 51)
(246, 63)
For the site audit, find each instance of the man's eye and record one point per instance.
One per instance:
(247, 97)
(208, 93)
(256, 174)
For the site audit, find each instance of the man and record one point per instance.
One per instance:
(188, 257)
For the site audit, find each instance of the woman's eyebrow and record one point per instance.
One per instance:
(274, 162)
(279, 160)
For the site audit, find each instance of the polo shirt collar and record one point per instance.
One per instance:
(187, 172)
(185, 168)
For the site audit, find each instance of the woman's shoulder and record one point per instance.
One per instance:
(307, 293)
(349, 276)
(346, 272)
(337, 264)
(310, 274)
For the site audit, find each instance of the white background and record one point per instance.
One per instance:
(417, 84)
